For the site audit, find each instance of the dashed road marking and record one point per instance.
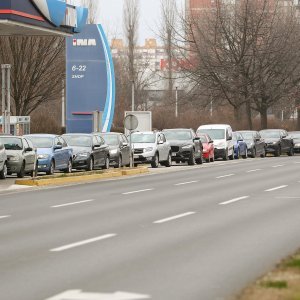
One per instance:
(139, 191)
(234, 200)
(84, 242)
(184, 183)
(276, 188)
(174, 217)
(255, 170)
(4, 217)
(72, 203)
(224, 176)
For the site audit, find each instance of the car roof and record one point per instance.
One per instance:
(83, 134)
(41, 135)
(169, 129)
(246, 131)
(272, 129)
(216, 126)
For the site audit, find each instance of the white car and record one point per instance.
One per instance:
(221, 134)
(3, 162)
(151, 147)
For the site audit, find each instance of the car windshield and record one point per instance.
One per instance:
(295, 135)
(215, 134)
(247, 135)
(182, 135)
(203, 139)
(41, 142)
(111, 139)
(270, 134)
(143, 138)
(78, 140)
(11, 143)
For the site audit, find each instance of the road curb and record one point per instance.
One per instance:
(78, 178)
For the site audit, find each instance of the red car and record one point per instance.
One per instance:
(208, 147)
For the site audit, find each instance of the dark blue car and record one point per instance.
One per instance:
(240, 146)
(53, 153)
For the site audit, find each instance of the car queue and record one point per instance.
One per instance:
(48, 153)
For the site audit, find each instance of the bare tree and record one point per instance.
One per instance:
(131, 23)
(244, 53)
(93, 7)
(168, 12)
(38, 67)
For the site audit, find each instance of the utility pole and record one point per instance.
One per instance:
(132, 96)
(5, 68)
(176, 102)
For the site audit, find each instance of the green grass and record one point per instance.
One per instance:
(293, 263)
(280, 284)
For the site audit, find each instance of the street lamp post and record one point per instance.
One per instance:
(6, 98)
(176, 102)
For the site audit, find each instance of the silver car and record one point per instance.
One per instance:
(151, 147)
(21, 156)
(3, 162)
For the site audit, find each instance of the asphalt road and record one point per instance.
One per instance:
(191, 233)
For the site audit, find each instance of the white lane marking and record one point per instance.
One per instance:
(81, 243)
(183, 183)
(139, 191)
(72, 203)
(174, 217)
(224, 176)
(277, 166)
(234, 200)
(255, 170)
(288, 197)
(4, 217)
(80, 295)
(276, 188)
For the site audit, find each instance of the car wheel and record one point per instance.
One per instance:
(278, 151)
(168, 162)
(263, 154)
(192, 160)
(208, 160)
(90, 166)
(212, 159)
(253, 153)
(21, 174)
(237, 156)
(3, 173)
(155, 161)
(291, 152)
(52, 168)
(106, 166)
(119, 165)
(225, 157)
(199, 161)
(231, 157)
(69, 169)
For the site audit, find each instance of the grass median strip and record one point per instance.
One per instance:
(60, 179)
(283, 283)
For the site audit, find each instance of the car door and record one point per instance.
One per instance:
(64, 152)
(98, 154)
(284, 141)
(104, 149)
(197, 143)
(2, 156)
(125, 149)
(29, 156)
(58, 154)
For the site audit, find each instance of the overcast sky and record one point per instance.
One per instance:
(110, 15)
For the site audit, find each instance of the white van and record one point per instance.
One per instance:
(221, 134)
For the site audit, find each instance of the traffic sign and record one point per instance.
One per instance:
(131, 122)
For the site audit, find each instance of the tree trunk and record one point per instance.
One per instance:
(249, 115)
(237, 114)
(263, 118)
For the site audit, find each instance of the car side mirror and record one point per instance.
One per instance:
(211, 142)
(28, 149)
(58, 147)
(229, 138)
(97, 146)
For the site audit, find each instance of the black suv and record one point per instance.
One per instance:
(185, 145)
(278, 141)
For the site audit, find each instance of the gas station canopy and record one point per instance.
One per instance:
(41, 17)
